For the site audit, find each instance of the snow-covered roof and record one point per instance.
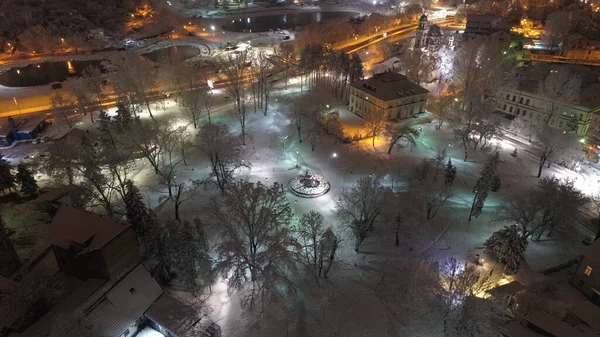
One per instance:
(593, 252)
(507, 289)
(71, 225)
(588, 313)
(389, 86)
(552, 325)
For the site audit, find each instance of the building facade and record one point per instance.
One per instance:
(587, 275)
(390, 94)
(485, 24)
(526, 104)
(430, 37)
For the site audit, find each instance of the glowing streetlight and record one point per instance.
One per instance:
(334, 155)
(582, 140)
(297, 165)
(212, 27)
(327, 106)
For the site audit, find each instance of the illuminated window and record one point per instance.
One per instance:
(588, 271)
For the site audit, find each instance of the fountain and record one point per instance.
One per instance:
(309, 185)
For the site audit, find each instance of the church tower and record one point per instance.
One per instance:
(421, 35)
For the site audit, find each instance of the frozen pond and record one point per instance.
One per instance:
(264, 23)
(48, 72)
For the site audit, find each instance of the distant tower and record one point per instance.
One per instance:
(421, 35)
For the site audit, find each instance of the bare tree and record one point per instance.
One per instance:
(360, 206)
(559, 86)
(193, 99)
(418, 66)
(93, 85)
(256, 250)
(396, 134)
(223, 151)
(132, 76)
(435, 194)
(185, 140)
(63, 105)
(376, 123)
(557, 26)
(440, 106)
(550, 209)
(184, 191)
(262, 69)
(319, 244)
(234, 70)
(550, 143)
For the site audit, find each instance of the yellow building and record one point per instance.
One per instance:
(389, 93)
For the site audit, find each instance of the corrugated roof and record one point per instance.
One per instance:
(593, 252)
(389, 86)
(30, 123)
(588, 313)
(514, 329)
(124, 303)
(43, 326)
(552, 325)
(71, 225)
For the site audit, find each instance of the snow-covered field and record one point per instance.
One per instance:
(346, 304)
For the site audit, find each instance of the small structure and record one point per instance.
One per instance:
(389, 93)
(175, 319)
(392, 64)
(13, 129)
(507, 291)
(584, 316)
(548, 325)
(587, 275)
(309, 185)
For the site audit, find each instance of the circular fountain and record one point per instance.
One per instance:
(309, 185)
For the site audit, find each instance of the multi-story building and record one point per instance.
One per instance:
(390, 94)
(587, 275)
(524, 102)
(485, 24)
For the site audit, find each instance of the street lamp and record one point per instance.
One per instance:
(297, 165)
(212, 27)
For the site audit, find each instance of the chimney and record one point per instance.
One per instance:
(13, 128)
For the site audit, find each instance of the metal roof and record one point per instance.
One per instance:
(389, 86)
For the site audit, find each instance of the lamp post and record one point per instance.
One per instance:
(212, 27)
(297, 164)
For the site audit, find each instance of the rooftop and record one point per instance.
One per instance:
(74, 226)
(552, 325)
(389, 86)
(124, 303)
(23, 124)
(507, 289)
(482, 17)
(588, 313)
(172, 314)
(593, 252)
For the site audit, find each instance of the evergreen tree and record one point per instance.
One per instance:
(449, 174)
(136, 210)
(483, 185)
(508, 247)
(356, 68)
(25, 178)
(7, 179)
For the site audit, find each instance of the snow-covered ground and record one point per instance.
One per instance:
(347, 304)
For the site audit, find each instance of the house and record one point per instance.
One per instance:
(108, 308)
(485, 24)
(523, 102)
(89, 245)
(587, 275)
(25, 128)
(113, 294)
(577, 47)
(390, 94)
